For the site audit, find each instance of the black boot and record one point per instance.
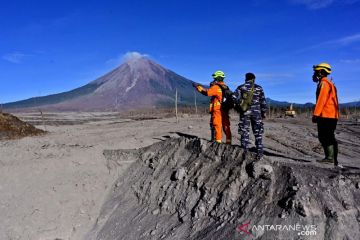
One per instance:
(259, 155)
(325, 151)
(244, 154)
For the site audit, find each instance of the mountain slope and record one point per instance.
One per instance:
(53, 98)
(284, 104)
(137, 83)
(351, 104)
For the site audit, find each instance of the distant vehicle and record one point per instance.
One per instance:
(290, 112)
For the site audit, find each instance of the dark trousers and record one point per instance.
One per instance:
(326, 131)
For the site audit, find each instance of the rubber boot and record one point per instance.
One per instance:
(325, 151)
(336, 151)
(329, 155)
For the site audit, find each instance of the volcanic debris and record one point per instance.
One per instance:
(189, 188)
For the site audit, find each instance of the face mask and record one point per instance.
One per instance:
(315, 78)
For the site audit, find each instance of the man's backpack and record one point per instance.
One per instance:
(227, 98)
(245, 101)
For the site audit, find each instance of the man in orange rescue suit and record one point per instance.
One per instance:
(219, 118)
(326, 112)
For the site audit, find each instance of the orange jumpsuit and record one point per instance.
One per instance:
(327, 114)
(327, 105)
(219, 118)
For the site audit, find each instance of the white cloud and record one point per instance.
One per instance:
(134, 55)
(318, 4)
(15, 57)
(335, 42)
(342, 41)
(346, 40)
(274, 75)
(274, 79)
(314, 4)
(126, 57)
(350, 61)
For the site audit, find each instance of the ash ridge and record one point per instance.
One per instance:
(190, 188)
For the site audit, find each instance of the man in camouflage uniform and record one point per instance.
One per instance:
(254, 115)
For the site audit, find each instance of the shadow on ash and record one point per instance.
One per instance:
(189, 188)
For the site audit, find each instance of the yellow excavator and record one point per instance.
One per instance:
(290, 112)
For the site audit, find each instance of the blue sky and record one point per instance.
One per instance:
(53, 46)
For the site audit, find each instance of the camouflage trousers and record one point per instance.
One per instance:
(257, 129)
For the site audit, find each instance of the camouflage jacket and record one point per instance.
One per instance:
(258, 105)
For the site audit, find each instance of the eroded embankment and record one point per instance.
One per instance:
(189, 188)
(12, 127)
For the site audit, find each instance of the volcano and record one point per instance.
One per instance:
(138, 83)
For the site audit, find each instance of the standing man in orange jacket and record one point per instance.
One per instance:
(326, 112)
(219, 118)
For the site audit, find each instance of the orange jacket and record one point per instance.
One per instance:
(216, 94)
(327, 105)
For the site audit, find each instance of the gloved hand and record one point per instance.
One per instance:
(314, 119)
(195, 85)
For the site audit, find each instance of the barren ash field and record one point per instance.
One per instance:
(106, 176)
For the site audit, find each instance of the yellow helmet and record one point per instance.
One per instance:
(218, 75)
(323, 66)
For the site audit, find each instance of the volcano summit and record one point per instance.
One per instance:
(138, 83)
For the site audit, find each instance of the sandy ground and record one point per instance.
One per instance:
(52, 186)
